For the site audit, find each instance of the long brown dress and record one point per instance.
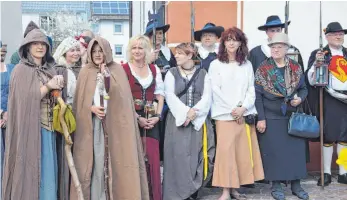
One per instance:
(127, 168)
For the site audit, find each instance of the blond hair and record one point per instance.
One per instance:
(144, 42)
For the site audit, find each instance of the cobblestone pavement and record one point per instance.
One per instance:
(334, 191)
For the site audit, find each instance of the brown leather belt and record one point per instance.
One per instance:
(142, 104)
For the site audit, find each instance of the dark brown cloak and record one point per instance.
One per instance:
(128, 179)
(21, 180)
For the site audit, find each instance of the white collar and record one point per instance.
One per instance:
(335, 52)
(204, 52)
(166, 52)
(266, 49)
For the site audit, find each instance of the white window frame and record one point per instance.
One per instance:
(51, 22)
(121, 46)
(98, 25)
(114, 28)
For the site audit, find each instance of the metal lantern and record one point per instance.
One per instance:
(321, 74)
(293, 54)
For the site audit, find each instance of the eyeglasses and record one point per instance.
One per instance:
(335, 34)
(210, 35)
(277, 47)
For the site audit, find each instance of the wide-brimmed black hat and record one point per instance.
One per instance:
(208, 28)
(334, 27)
(271, 22)
(152, 23)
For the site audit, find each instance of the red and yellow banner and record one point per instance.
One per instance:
(338, 68)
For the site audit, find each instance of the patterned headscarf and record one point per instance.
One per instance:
(274, 82)
(64, 47)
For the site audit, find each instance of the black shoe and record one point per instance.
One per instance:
(278, 194)
(193, 196)
(298, 191)
(209, 184)
(277, 191)
(263, 181)
(327, 180)
(342, 178)
(301, 194)
(248, 186)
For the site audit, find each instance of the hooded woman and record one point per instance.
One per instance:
(30, 170)
(68, 59)
(127, 173)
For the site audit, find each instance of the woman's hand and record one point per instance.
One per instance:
(186, 122)
(57, 82)
(191, 115)
(152, 122)
(3, 121)
(142, 122)
(261, 126)
(240, 120)
(155, 55)
(98, 111)
(296, 101)
(238, 112)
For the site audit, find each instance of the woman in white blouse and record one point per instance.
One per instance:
(147, 88)
(238, 160)
(189, 143)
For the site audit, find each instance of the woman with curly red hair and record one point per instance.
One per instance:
(238, 160)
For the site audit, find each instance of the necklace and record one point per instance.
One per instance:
(187, 72)
(141, 66)
(190, 69)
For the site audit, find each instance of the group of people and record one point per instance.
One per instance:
(214, 114)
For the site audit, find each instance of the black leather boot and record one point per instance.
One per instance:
(327, 180)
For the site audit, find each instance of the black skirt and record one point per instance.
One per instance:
(283, 155)
(335, 120)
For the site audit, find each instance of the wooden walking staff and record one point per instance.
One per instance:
(321, 80)
(192, 22)
(103, 83)
(292, 53)
(147, 108)
(68, 144)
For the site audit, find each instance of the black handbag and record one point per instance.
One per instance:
(251, 119)
(303, 125)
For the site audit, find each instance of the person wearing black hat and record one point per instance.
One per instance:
(207, 53)
(335, 96)
(260, 53)
(163, 57)
(208, 36)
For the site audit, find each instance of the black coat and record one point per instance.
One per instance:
(335, 112)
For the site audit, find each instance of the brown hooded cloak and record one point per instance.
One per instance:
(128, 179)
(21, 180)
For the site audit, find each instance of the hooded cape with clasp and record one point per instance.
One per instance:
(22, 168)
(128, 179)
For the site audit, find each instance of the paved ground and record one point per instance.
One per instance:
(334, 191)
